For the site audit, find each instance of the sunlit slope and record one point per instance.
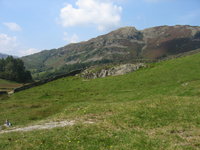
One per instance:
(154, 108)
(178, 77)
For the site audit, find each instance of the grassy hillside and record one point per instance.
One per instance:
(154, 108)
(6, 85)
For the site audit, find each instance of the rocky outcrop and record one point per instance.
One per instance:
(105, 71)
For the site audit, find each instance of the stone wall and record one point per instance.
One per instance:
(38, 83)
(3, 93)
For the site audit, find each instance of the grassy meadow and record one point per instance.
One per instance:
(6, 85)
(154, 108)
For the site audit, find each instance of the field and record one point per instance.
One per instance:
(157, 107)
(6, 85)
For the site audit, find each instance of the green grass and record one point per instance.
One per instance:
(6, 85)
(153, 108)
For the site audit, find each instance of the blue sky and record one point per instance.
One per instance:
(29, 26)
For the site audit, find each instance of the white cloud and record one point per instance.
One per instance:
(12, 26)
(102, 13)
(28, 51)
(10, 45)
(71, 39)
(7, 43)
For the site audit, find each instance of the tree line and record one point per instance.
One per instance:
(13, 69)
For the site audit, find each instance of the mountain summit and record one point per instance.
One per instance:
(122, 45)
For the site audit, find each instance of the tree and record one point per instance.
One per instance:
(13, 69)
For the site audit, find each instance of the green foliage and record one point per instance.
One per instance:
(14, 70)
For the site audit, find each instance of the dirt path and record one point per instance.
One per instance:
(49, 125)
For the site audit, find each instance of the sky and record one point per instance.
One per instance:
(30, 26)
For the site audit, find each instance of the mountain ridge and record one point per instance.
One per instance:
(122, 45)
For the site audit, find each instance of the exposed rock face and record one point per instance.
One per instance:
(93, 73)
(122, 45)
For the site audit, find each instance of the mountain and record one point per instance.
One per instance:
(3, 55)
(122, 45)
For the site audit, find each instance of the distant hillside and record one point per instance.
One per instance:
(3, 55)
(123, 45)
